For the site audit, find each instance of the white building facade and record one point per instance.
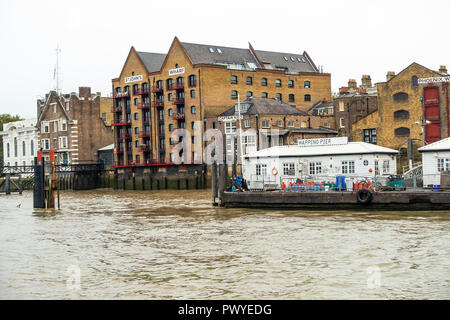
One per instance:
(318, 160)
(20, 142)
(435, 161)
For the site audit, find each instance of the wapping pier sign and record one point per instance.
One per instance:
(433, 80)
(322, 142)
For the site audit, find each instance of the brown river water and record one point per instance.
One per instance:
(108, 244)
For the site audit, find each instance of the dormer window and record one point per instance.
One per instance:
(285, 58)
(211, 50)
(219, 51)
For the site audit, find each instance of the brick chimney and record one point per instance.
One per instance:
(84, 92)
(366, 81)
(443, 69)
(352, 84)
(390, 75)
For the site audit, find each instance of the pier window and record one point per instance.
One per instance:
(234, 80)
(289, 169)
(348, 167)
(315, 167)
(386, 164)
(261, 169)
(264, 82)
(230, 127)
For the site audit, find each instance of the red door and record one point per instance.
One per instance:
(432, 114)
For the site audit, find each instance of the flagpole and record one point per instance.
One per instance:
(240, 134)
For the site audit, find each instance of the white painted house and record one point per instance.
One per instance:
(318, 160)
(435, 160)
(20, 142)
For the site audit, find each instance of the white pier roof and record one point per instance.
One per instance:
(441, 145)
(354, 148)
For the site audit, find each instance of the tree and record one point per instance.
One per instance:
(5, 118)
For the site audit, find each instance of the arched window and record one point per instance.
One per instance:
(249, 81)
(278, 96)
(291, 98)
(192, 93)
(414, 82)
(180, 81)
(264, 95)
(401, 132)
(234, 94)
(192, 80)
(264, 82)
(401, 114)
(7, 149)
(307, 84)
(249, 94)
(234, 80)
(400, 97)
(169, 84)
(24, 151)
(291, 83)
(278, 83)
(15, 147)
(32, 147)
(307, 97)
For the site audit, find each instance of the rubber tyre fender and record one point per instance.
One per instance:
(364, 196)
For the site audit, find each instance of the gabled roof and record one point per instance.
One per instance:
(329, 150)
(152, 61)
(441, 145)
(47, 104)
(414, 63)
(201, 54)
(294, 62)
(266, 106)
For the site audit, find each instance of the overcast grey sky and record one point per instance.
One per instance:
(348, 38)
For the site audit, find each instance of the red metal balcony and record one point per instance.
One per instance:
(141, 91)
(156, 89)
(125, 135)
(144, 148)
(178, 85)
(118, 95)
(178, 116)
(144, 106)
(158, 103)
(178, 101)
(116, 109)
(144, 134)
(118, 123)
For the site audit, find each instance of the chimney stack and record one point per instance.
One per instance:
(390, 75)
(84, 92)
(443, 69)
(366, 81)
(352, 84)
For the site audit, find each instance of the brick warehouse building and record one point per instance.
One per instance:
(156, 94)
(74, 126)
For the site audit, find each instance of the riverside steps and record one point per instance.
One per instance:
(410, 200)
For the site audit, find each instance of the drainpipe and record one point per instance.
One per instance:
(448, 116)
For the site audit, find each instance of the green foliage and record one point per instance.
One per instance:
(5, 118)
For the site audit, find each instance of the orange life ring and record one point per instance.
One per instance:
(274, 171)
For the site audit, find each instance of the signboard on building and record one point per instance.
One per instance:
(134, 79)
(173, 72)
(230, 118)
(433, 80)
(322, 142)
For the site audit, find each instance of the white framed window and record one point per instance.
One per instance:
(63, 142)
(45, 128)
(342, 122)
(230, 127)
(386, 164)
(279, 123)
(247, 123)
(443, 164)
(315, 167)
(326, 124)
(248, 143)
(341, 106)
(289, 169)
(55, 126)
(290, 124)
(45, 144)
(377, 168)
(348, 167)
(261, 169)
(265, 124)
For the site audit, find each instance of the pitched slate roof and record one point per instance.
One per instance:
(294, 62)
(266, 106)
(152, 61)
(201, 54)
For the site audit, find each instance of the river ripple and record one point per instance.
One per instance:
(175, 245)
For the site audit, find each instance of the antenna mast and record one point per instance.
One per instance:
(57, 71)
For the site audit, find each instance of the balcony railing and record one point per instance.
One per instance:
(144, 148)
(118, 123)
(178, 101)
(175, 86)
(141, 91)
(156, 89)
(118, 164)
(118, 95)
(125, 135)
(178, 116)
(143, 106)
(158, 103)
(144, 134)
(116, 109)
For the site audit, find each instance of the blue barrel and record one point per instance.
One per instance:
(340, 183)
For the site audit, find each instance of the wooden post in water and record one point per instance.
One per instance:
(38, 190)
(8, 184)
(214, 182)
(234, 165)
(20, 184)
